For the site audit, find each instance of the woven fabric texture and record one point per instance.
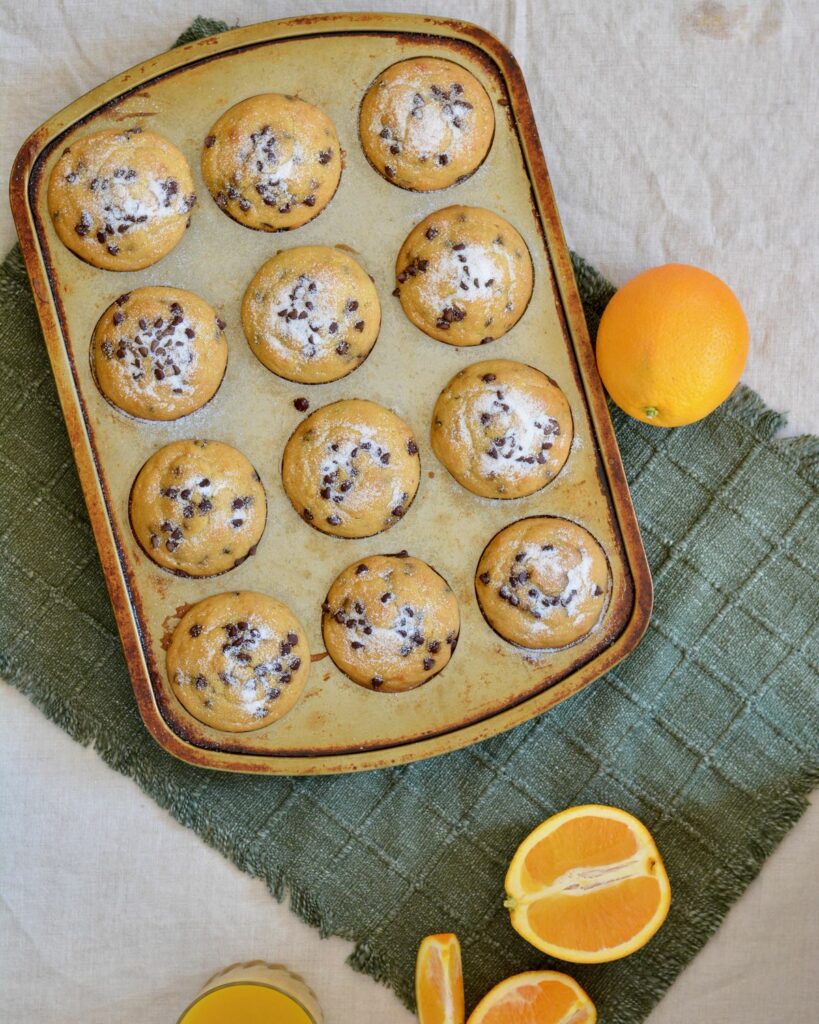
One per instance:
(709, 732)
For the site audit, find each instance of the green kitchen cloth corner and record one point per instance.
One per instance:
(708, 732)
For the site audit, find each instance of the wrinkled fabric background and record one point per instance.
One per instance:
(673, 131)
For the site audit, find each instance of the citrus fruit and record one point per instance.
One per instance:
(536, 997)
(672, 345)
(439, 983)
(588, 885)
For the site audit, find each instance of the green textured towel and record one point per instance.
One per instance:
(709, 732)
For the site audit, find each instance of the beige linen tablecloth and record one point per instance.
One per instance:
(673, 131)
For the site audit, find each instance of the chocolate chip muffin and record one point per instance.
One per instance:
(390, 622)
(272, 162)
(502, 429)
(159, 353)
(198, 508)
(311, 314)
(464, 276)
(426, 123)
(543, 582)
(121, 200)
(352, 468)
(238, 661)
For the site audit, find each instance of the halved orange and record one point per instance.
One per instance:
(588, 885)
(535, 997)
(439, 981)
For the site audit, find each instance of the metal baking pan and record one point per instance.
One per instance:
(489, 686)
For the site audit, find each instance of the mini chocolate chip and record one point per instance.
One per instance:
(209, 141)
(431, 232)
(195, 630)
(376, 681)
(484, 577)
(412, 447)
(302, 404)
(428, 664)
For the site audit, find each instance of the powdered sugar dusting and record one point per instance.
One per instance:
(158, 360)
(273, 166)
(470, 272)
(541, 584)
(422, 122)
(503, 432)
(356, 471)
(301, 318)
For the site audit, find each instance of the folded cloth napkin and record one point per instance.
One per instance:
(708, 732)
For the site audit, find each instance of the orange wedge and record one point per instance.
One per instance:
(439, 981)
(588, 885)
(536, 997)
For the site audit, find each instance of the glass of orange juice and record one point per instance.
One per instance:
(255, 992)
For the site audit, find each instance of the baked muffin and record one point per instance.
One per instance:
(159, 353)
(198, 508)
(238, 661)
(390, 622)
(121, 200)
(464, 275)
(272, 162)
(351, 468)
(502, 429)
(543, 582)
(311, 314)
(426, 123)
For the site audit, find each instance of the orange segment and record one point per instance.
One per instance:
(536, 997)
(439, 983)
(588, 885)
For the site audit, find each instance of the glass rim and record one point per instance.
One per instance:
(251, 984)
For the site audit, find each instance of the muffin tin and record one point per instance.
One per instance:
(489, 685)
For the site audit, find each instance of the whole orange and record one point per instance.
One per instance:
(672, 345)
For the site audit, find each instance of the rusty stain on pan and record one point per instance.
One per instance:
(488, 686)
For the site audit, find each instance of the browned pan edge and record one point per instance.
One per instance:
(621, 635)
